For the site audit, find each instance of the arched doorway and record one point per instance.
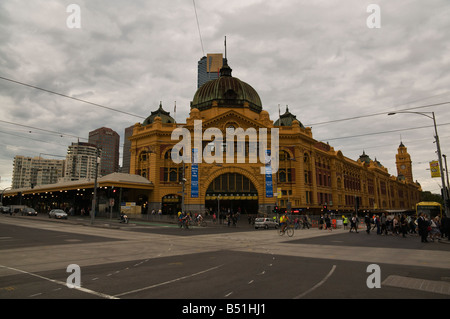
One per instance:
(232, 193)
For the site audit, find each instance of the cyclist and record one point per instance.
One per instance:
(199, 219)
(284, 219)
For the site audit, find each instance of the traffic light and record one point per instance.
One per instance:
(275, 209)
(325, 208)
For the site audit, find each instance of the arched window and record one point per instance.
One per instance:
(284, 174)
(172, 172)
(143, 166)
(231, 183)
(307, 168)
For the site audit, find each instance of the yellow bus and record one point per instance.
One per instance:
(432, 209)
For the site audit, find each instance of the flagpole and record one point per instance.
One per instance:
(175, 111)
(279, 115)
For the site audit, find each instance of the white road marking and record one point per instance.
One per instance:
(318, 284)
(95, 293)
(168, 282)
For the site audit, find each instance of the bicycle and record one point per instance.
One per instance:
(289, 230)
(184, 222)
(201, 223)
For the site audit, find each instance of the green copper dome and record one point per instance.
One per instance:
(226, 91)
(164, 115)
(286, 119)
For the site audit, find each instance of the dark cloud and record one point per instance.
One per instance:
(318, 57)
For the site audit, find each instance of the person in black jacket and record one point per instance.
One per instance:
(445, 227)
(422, 224)
(404, 225)
(367, 222)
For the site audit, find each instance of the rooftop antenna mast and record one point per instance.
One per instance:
(225, 43)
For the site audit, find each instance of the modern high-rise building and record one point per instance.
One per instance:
(108, 140)
(209, 67)
(31, 172)
(126, 150)
(81, 160)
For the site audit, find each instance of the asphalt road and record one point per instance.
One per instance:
(163, 262)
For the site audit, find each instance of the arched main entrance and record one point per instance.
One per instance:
(232, 193)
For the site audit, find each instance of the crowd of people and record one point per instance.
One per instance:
(435, 228)
(428, 229)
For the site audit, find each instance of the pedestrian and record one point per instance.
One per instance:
(328, 222)
(373, 221)
(444, 226)
(305, 222)
(412, 225)
(404, 225)
(435, 228)
(367, 221)
(395, 225)
(345, 221)
(384, 224)
(423, 225)
(378, 224)
(354, 223)
(321, 221)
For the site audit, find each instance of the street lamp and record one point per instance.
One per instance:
(438, 145)
(1, 198)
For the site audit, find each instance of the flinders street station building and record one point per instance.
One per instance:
(311, 176)
(231, 173)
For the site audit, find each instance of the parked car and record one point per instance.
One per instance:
(265, 223)
(57, 213)
(28, 211)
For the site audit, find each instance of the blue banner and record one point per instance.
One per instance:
(269, 185)
(194, 173)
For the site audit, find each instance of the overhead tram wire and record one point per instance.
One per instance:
(198, 27)
(44, 130)
(30, 138)
(376, 114)
(71, 97)
(382, 132)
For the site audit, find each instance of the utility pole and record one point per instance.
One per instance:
(438, 145)
(94, 200)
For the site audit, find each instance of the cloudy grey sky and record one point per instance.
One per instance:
(318, 57)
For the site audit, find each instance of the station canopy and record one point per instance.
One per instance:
(115, 179)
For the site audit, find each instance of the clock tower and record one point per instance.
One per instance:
(403, 161)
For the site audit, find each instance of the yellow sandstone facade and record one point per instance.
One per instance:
(312, 176)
